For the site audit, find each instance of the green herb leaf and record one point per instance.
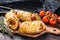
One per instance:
(5, 29)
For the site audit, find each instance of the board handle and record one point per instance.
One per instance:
(53, 30)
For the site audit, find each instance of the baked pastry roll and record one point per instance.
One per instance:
(11, 20)
(31, 27)
(24, 16)
(27, 16)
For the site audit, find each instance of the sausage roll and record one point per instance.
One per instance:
(31, 27)
(11, 20)
(27, 16)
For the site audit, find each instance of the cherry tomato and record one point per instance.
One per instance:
(54, 16)
(48, 13)
(58, 20)
(45, 19)
(41, 13)
(52, 21)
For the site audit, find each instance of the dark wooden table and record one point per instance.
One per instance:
(43, 37)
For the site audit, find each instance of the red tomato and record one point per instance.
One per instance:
(54, 16)
(48, 13)
(52, 21)
(41, 13)
(45, 19)
(58, 20)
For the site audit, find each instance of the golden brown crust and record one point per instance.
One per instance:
(27, 16)
(31, 27)
(11, 20)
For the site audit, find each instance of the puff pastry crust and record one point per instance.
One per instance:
(11, 20)
(31, 27)
(27, 16)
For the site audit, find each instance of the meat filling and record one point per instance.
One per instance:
(11, 22)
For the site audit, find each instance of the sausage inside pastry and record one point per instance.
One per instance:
(27, 16)
(31, 27)
(35, 16)
(11, 20)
